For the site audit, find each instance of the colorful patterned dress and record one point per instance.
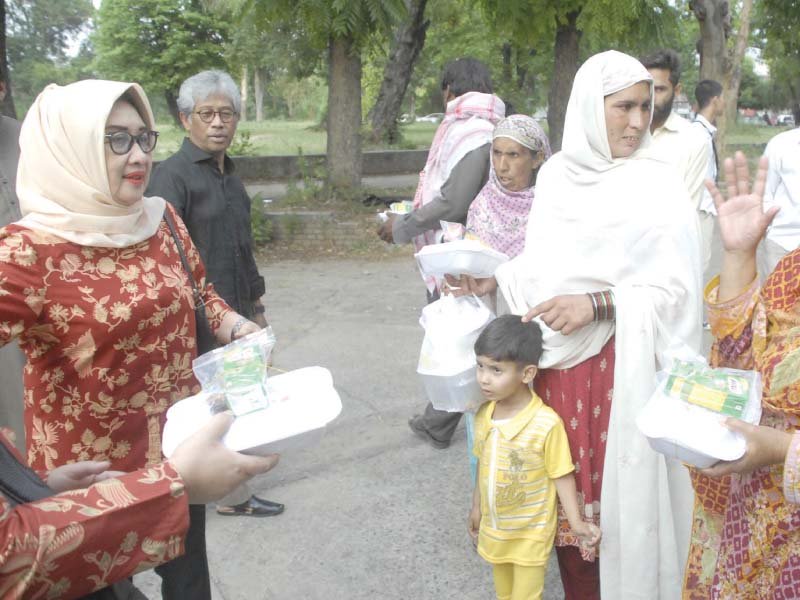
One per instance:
(746, 536)
(78, 541)
(581, 395)
(109, 337)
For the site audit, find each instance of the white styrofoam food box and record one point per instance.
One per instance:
(691, 433)
(461, 257)
(305, 401)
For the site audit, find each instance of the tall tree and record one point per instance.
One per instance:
(778, 22)
(8, 101)
(720, 57)
(166, 42)
(39, 34)
(714, 17)
(343, 28)
(409, 38)
(734, 76)
(564, 24)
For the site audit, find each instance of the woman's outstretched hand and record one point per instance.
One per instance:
(742, 220)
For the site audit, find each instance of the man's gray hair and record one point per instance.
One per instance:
(199, 87)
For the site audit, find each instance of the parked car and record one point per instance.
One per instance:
(405, 118)
(431, 118)
(786, 120)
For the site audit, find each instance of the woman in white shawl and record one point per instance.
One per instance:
(610, 268)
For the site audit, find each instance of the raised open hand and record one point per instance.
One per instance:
(742, 220)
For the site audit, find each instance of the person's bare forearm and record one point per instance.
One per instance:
(737, 273)
(568, 496)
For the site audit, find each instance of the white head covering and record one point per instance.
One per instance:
(585, 143)
(627, 225)
(62, 182)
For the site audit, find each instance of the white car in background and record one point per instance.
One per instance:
(431, 118)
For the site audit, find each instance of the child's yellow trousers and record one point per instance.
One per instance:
(515, 582)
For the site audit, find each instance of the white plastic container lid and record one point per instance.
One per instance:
(461, 257)
(304, 400)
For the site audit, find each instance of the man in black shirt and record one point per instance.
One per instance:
(199, 181)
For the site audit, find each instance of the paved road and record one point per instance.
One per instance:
(372, 511)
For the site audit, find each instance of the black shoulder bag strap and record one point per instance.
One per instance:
(205, 338)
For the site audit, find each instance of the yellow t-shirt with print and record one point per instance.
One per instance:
(518, 460)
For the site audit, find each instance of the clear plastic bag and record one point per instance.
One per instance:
(447, 357)
(684, 417)
(236, 374)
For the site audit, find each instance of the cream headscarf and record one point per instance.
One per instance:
(627, 225)
(62, 182)
(584, 146)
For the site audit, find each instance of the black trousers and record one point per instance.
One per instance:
(186, 577)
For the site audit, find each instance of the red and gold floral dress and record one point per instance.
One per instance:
(76, 542)
(109, 336)
(746, 531)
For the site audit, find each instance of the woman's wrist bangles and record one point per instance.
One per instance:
(237, 326)
(603, 305)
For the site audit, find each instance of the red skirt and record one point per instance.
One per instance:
(581, 395)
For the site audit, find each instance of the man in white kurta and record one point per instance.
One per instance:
(674, 140)
(710, 105)
(783, 190)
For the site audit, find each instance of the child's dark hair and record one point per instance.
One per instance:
(508, 338)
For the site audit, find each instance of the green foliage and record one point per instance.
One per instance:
(323, 19)
(38, 35)
(262, 227)
(157, 43)
(43, 29)
(241, 145)
(777, 23)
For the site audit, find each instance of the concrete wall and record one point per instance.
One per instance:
(281, 168)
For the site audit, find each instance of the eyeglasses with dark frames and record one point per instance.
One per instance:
(207, 114)
(121, 142)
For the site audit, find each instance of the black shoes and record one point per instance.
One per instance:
(416, 425)
(252, 507)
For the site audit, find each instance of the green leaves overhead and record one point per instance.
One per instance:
(168, 41)
(356, 19)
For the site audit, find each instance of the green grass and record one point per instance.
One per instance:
(288, 138)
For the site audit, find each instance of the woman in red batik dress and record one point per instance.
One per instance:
(92, 286)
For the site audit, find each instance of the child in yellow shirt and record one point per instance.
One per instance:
(524, 463)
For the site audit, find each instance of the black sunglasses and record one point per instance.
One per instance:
(121, 142)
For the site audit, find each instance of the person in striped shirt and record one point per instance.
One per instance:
(524, 465)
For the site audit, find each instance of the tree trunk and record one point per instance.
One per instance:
(243, 113)
(734, 79)
(408, 42)
(258, 88)
(344, 114)
(8, 108)
(172, 105)
(506, 51)
(565, 65)
(715, 25)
